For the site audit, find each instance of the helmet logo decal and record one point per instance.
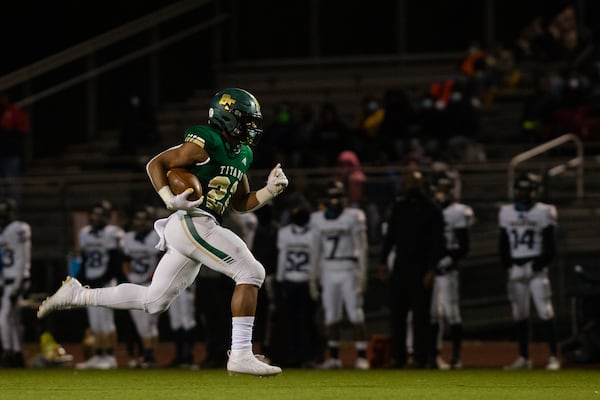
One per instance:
(226, 101)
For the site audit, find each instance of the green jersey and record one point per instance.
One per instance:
(223, 171)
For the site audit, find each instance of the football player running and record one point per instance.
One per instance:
(445, 302)
(342, 265)
(527, 246)
(219, 154)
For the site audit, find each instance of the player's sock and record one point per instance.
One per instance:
(361, 349)
(178, 346)
(188, 346)
(334, 348)
(550, 328)
(435, 330)
(523, 337)
(456, 335)
(241, 333)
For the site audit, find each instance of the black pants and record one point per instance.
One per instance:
(408, 293)
(213, 303)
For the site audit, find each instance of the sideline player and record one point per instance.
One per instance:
(140, 257)
(15, 256)
(445, 302)
(219, 154)
(295, 267)
(527, 246)
(101, 258)
(342, 265)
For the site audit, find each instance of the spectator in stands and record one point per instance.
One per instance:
(279, 139)
(463, 126)
(302, 154)
(14, 126)
(366, 129)
(138, 126)
(538, 110)
(473, 67)
(331, 135)
(394, 134)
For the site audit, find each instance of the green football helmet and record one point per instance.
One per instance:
(236, 112)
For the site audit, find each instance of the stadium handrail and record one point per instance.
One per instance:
(576, 162)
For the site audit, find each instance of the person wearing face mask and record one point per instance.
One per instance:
(415, 232)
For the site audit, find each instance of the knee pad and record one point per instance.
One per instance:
(252, 273)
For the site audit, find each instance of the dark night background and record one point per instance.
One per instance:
(34, 29)
(254, 30)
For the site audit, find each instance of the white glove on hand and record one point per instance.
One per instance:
(277, 181)
(180, 201)
(444, 263)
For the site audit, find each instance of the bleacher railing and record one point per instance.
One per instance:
(576, 162)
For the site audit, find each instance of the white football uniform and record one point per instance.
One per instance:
(524, 230)
(143, 257)
(296, 256)
(95, 249)
(15, 249)
(445, 296)
(341, 263)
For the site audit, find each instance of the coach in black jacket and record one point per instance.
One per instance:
(415, 233)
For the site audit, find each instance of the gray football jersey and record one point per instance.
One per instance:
(296, 253)
(456, 216)
(15, 248)
(143, 256)
(342, 240)
(95, 247)
(525, 228)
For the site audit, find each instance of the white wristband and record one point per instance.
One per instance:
(264, 195)
(166, 195)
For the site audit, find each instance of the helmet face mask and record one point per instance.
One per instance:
(335, 200)
(142, 220)
(7, 211)
(237, 113)
(526, 187)
(442, 188)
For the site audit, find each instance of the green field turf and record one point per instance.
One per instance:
(299, 384)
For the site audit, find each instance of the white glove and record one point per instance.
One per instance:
(277, 181)
(180, 201)
(444, 263)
